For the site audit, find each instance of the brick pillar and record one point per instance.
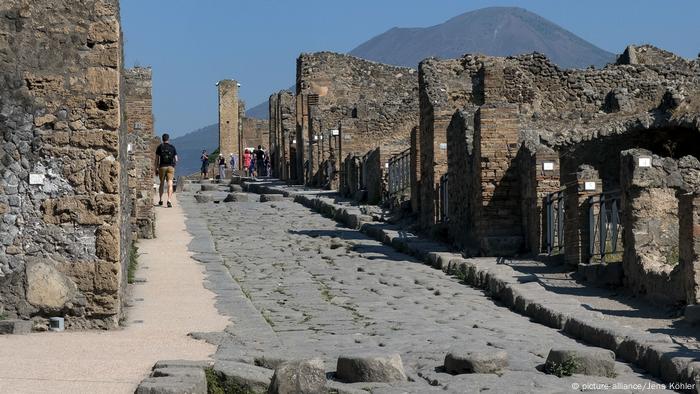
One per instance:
(229, 118)
(433, 161)
(415, 170)
(576, 234)
(541, 178)
(497, 217)
(139, 110)
(689, 221)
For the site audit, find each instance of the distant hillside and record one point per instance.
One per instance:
(496, 31)
(189, 148)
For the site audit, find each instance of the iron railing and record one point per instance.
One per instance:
(554, 211)
(399, 175)
(444, 198)
(604, 227)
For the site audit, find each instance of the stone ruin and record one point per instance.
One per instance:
(139, 108)
(343, 106)
(64, 173)
(514, 155)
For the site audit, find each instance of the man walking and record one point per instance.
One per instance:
(166, 158)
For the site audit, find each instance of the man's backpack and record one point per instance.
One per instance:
(167, 155)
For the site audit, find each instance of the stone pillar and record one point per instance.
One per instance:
(229, 120)
(460, 138)
(496, 191)
(689, 215)
(274, 137)
(287, 131)
(302, 116)
(64, 200)
(139, 110)
(579, 187)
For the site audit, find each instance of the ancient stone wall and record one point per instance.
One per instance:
(63, 192)
(254, 133)
(381, 100)
(586, 117)
(659, 260)
(139, 120)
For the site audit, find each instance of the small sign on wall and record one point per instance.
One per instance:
(548, 166)
(129, 148)
(589, 186)
(36, 179)
(645, 162)
(443, 146)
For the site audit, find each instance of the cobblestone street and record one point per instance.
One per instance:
(306, 287)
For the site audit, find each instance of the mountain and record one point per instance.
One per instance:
(189, 148)
(496, 31)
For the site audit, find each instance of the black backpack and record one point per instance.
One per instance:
(167, 154)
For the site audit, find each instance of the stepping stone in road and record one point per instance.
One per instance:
(594, 362)
(305, 376)
(462, 361)
(371, 368)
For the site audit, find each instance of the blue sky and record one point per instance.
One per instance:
(191, 44)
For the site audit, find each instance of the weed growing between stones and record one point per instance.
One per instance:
(214, 384)
(133, 262)
(567, 368)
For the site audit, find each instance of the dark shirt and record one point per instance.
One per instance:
(259, 154)
(222, 161)
(166, 154)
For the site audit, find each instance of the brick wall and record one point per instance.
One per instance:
(381, 99)
(139, 120)
(497, 217)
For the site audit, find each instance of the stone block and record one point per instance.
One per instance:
(243, 377)
(305, 376)
(371, 368)
(271, 198)
(47, 288)
(204, 198)
(593, 362)
(461, 361)
(174, 380)
(16, 327)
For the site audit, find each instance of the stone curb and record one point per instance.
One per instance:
(656, 353)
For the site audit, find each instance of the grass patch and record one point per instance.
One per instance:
(567, 368)
(133, 263)
(266, 315)
(214, 383)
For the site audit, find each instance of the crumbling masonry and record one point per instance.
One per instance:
(64, 201)
(139, 119)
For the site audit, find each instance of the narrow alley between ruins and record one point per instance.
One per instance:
(297, 285)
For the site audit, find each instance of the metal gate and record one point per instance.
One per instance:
(554, 210)
(604, 227)
(444, 198)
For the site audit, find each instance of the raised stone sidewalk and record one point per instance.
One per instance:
(657, 353)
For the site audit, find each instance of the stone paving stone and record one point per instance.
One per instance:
(307, 287)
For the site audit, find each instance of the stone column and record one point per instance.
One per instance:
(229, 129)
(579, 187)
